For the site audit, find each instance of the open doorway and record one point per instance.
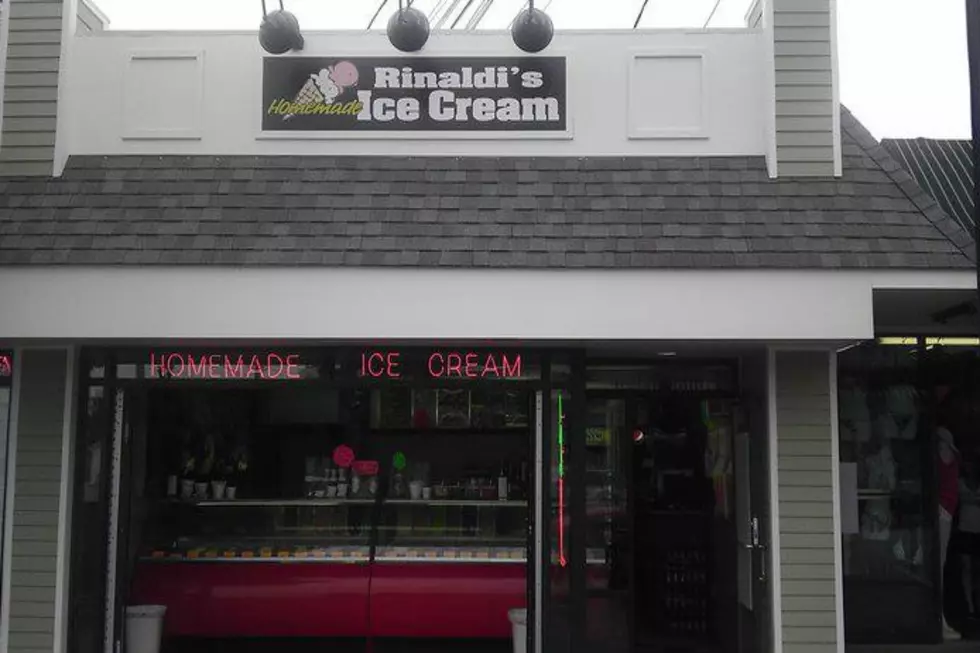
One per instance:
(660, 520)
(670, 564)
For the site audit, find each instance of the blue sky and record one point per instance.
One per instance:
(903, 66)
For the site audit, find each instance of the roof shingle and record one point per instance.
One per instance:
(608, 212)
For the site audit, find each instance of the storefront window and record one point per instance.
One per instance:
(886, 469)
(396, 483)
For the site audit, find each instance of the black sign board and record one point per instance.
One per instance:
(406, 94)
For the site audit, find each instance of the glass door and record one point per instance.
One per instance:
(607, 532)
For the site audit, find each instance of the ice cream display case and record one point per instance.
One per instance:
(351, 567)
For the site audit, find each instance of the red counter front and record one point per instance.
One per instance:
(323, 599)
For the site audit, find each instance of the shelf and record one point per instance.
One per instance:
(315, 503)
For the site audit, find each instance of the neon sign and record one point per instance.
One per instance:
(562, 560)
(444, 365)
(6, 366)
(176, 365)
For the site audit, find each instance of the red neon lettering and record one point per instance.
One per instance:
(234, 371)
(157, 370)
(471, 365)
(374, 370)
(363, 364)
(512, 371)
(199, 369)
(292, 363)
(393, 365)
(436, 358)
(490, 367)
(214, 365)
(173, 369)
(454, 365)
(278, 360)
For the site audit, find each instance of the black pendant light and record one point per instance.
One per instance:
(279, 32)
(532, 29)
(408, 28)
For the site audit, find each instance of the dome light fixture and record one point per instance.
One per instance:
(279, 32)
(532, 30)
(408, 28)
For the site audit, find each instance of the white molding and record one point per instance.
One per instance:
(98, 12)
(775, 573)
(835, 81)
(194, 133)
(8, 508)
(391, 303)
(63, 566)
(753, 7)
(451, 33)
(924, 279)
(769, 104)
(566, 134)
(62, 145)
(835, 472)
(668, 133)
(112, 544)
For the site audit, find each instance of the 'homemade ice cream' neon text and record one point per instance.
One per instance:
(175, 365)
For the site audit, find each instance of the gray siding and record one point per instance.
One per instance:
(88, 21)
(806, 502)
(802, 34)
(30, 98)
(37, 482)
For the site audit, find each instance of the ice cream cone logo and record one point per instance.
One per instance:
(323, 87)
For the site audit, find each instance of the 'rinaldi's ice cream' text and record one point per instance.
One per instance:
(443, 104)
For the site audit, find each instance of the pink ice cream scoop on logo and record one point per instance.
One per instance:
(344, 74)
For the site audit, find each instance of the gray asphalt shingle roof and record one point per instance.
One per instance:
(943, 168)
(628, 212)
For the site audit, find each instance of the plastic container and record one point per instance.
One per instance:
(144, 628)
(518, 622)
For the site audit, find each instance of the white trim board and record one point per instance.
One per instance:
(69, 23)
(835, 482)
(835, 91)
(8, 508)
(74, 303)
(63, 565)
(775, 553)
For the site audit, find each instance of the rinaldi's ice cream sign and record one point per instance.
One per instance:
(414, 94)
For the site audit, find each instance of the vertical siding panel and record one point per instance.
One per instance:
(803, 44)
(34, 552)
(806, 500)
(33, 60)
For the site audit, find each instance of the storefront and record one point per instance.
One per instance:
(908, 416)
(369, 349)
(397, 497)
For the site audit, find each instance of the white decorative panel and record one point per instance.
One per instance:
(164, 95)
(667, 95)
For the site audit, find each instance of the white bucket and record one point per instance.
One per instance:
(144, 628)
(518, 622)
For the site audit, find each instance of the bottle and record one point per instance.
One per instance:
(502, 484)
